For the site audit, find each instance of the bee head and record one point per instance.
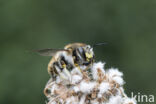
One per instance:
(83, 55)
(89, 52)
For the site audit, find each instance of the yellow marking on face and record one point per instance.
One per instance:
(88, 55)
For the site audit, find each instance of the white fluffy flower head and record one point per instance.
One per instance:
(94, 86)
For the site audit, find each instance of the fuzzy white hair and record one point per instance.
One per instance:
(90, 87)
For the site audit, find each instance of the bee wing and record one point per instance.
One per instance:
(48, 51)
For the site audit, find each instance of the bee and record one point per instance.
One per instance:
(83, 55)
(78, 55)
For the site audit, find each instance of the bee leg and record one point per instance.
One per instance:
(66, 71)
(78, 67)
(59, 70)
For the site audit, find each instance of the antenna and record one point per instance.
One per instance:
(98, 44)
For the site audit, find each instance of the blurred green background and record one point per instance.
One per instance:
(128, 26)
